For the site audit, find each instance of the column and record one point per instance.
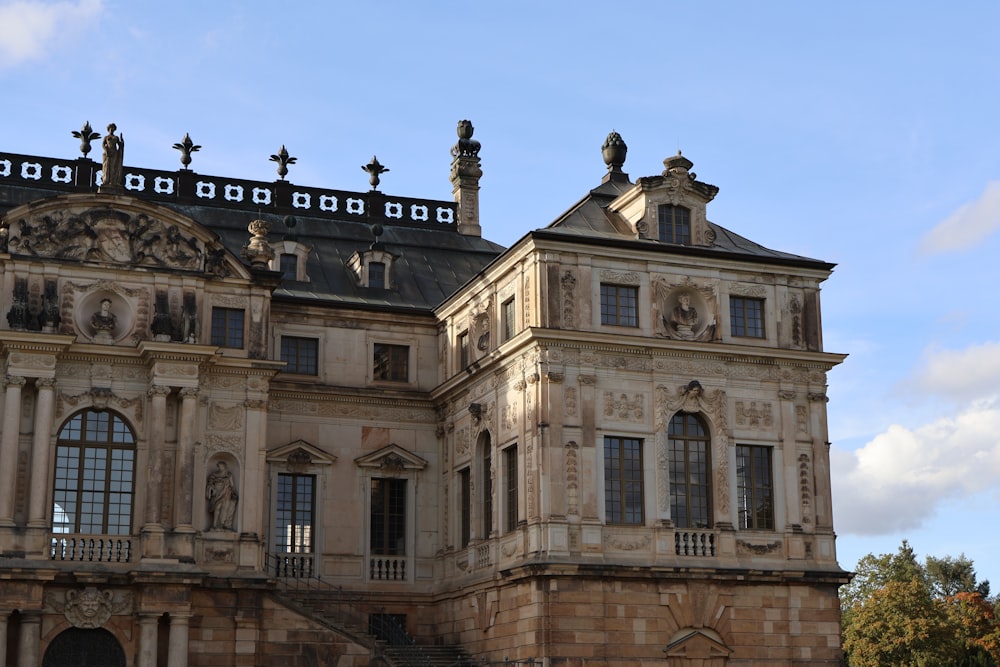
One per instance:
(4, 616)
(154, 476)
(184, 465)
(8, 448)
(177, 646)
(31, 637)
(147, 640)
(40, 449)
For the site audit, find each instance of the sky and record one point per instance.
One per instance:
(860, 133)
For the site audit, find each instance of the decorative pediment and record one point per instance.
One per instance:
(110, 229)
(300, 453)
(392, 458)
(697, 644)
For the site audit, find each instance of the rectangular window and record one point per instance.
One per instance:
(293, 533)
(465, 491)
(618, 305)
(388, 517)
(510, 479)
(93, 490)
(289, 266)
(623, 480)
(687, 457)
(746, 316)
(754, 488)
(675, 224)
(463, 349)
(391, 362)
(507, 320)
(487, 486)
(376, 275)
(301, 354)
(227, 327)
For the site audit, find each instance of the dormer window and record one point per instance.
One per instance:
(290, 258)
(675, 224)
(373, 268)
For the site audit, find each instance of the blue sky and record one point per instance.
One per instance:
(855, 132)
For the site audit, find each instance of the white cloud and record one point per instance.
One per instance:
(967, 226)
(896, 481)
(29, 28)
(961, 375)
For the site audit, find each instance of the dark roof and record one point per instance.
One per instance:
(590, 221)
(431, 259)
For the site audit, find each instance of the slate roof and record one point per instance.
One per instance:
(590, 221)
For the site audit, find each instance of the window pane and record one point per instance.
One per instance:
(465, 491)
(376, 275)
(227, 327)
(301, 354)
(388, 517)
(289, 265)
(94, 471)
(619, 305)
(688, 458)
(754, 487)
(623, 491)
(294, 513)
(391, 362)
(507, 316)
(675, 224)
(511, 479)
(746, 317)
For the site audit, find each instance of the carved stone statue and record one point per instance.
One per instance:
(683, 318)
(104, 321)
(222, 497)
(89, 608)
(111, 163)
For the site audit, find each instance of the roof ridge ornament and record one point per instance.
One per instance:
(614, 151)
(86, 134)
(186, 147)
(283, 159)
(374, 169)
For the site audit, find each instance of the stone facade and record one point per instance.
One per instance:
(233, 438)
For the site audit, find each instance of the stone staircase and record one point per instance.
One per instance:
(348, 614)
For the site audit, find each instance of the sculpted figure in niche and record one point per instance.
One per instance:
(685, 323)
(104, 321)
(222, 497)
(111, 164)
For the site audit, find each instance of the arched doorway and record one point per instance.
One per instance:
(78, 647)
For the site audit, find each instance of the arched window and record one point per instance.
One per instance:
(94, 476)
(690, 470)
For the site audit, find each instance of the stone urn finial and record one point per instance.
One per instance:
(613, 151)
(257, 250)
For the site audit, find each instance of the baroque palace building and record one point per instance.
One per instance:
(253, 423)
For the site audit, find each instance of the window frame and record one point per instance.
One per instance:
(465, 506)
(511, 487)
(690, 490)
(744, 324)
(223, 329)
(391, 515)
(750, 468)
(110, 436)
(508, 319)
(397, 352)
(673, 224)
(616, 313)
(293, 511)
(296, 366)
(462, 343)
(377, 278)
(623, 478)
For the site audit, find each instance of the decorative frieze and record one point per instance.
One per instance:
(753, 549)
(624, 407)
(754, 415)
(572, 473)
(567, 286)
(620, 277)
(225, 417)
(745, 289)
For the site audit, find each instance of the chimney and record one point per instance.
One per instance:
(465, 175)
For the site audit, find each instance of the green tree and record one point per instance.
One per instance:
(897, 612)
